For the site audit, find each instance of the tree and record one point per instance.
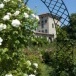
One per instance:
(61, 34)
(71, 29)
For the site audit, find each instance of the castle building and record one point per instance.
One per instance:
(46, 26)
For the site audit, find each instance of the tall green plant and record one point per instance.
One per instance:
(17, 23)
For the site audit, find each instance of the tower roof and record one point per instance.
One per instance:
(50, 15)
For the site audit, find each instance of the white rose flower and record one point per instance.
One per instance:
(8, 75)
(6, 17)
(37, 17)
(9, 14)
(33, 15)
(1, 5)
(26, 15)
(16, 23)
(36, 65)
(1, 40)
(6, 0)
(2, 26)
(28, 63)
(35, 71)
(31, 75)
(0, 43)
(16, 13)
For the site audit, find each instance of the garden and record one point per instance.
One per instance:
(23, 54)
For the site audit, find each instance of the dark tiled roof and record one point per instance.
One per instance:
(50, 15)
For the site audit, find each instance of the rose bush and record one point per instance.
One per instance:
(17, 23)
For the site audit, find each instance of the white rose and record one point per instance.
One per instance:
(35, 71)
(2, 26)
(26, 15)
(1, 5)
(9, 14)
(6, 17)
(33, 15)
(1, 40)
(36, 65)
(16, 13)
(31, 75)
(16, 23)
(6, 0)
(28, 63)
(0, 43)
(8, 75)
(37, 17)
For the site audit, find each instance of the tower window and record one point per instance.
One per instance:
(45, 30)
(39, 23)
(42, 25)
(39, 30)
(45, 21)
(41, 17)
(52, 25)
(42, 21)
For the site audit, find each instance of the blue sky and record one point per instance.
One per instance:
(39, 7)
(71, 5)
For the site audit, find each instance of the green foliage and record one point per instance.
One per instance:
(61, 59)
(63, 73)
(39, 41)
(16, 37)
(36, 56)
(71, 29)
(45, 70)
(17, 23)
(61, 34)
(72, 26)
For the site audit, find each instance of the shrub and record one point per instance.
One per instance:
(40, 41)
(17, 23)
(61, 59)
